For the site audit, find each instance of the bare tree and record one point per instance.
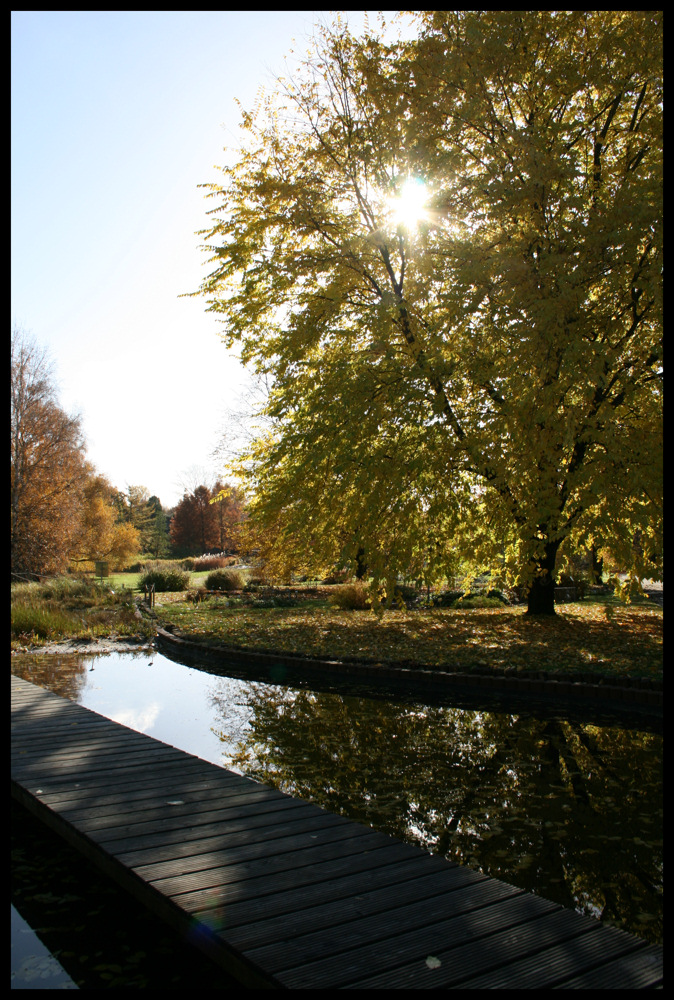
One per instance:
(244, 419)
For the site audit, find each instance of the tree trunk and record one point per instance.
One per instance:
(541, 598)
(361, 565)
(597, 566)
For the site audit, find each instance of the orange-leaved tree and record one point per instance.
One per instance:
(48, 466)
(103, 532)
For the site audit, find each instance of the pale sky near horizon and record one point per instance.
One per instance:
(117, 116)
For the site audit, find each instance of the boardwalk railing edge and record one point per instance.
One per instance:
(162, 908)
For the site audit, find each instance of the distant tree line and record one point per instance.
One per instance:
(65, 513)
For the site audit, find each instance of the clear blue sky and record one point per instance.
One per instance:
(117, 116)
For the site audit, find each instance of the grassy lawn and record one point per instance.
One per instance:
(131, 580)
(583, 638)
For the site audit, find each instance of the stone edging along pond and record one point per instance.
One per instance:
(643, 693)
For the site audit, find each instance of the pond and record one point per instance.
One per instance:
(567, 807)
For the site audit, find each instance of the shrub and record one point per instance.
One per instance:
(164, 579)
(213, 562)
(284, 601)
(338, 576)
(477, 601)
(136, 567)
(351, 597)
(196, 596)
(188, 564)
(447, 598)
(224, 579)
(403, 594)
(70, 591)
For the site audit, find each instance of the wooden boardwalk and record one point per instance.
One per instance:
(284, 895)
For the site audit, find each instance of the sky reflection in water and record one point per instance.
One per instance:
(567, 809)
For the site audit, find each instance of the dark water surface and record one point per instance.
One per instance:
(568, 808)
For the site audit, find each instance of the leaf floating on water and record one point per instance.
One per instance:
(432, 962)
(175, 802)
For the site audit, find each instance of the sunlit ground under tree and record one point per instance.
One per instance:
(625, 641)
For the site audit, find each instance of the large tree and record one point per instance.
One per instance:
(103, 533)
(193, 526)
(140, 511)
(446, 255)
(157, 539)
(199, 523)
(227, 504)
(48, 465)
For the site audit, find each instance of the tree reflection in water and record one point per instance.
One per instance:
(568, 810)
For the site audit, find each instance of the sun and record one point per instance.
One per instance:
(409, 205)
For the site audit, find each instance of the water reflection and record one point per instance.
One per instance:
(571, 810)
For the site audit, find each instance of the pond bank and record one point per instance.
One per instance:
(109, 645)
(644, 694)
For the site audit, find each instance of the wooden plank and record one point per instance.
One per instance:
(158, 809)
(590, 952)
(151, 806)
(431, 900)
(640, 970)
(195, 791)
(275, 855)
(138, 781)
(157, 850)
(294, 888)
(97, 764)
(512, 927)
(33, 750)
(69, 734)
(418, 885)
(283, 894)
(145, 835)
